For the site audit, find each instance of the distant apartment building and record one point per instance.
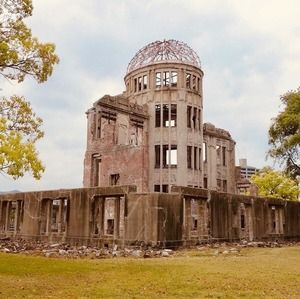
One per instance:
(243, 175)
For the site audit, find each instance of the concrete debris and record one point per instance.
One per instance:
(63, 250)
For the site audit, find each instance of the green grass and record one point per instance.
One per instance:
(255, 273)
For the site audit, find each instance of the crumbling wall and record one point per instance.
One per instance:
(118, 215)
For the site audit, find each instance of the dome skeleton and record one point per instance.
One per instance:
(164, 51)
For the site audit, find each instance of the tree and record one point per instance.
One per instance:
(19, 129)
(21, 55)
(275, 184)
(284, 134)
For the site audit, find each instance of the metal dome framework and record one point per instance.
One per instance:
(171, 51)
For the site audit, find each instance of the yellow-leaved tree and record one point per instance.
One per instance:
(21, 55)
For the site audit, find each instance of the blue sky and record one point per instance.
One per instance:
(249, 50)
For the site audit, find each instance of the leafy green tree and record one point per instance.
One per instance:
(284, 134)
(21, 55)
(272, 183)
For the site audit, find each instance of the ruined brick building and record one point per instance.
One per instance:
(152, 135)
(152, 138)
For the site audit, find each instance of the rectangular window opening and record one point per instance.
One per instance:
(156, 188)
(199, 119)
(114, 179)
(188, 80)
(224, 185)
(140, 83)
(224, 155)
(189, 114)
(195, 158)
(157, 116)
(174, 79)
(189, 157)
(218, 151)
(135, 84)
(165, 188)
(205, 182)
(194, 83)
(166, 122)
(173, 120)
(204, 152)
(145, 82)
(166, 78)
(243, 222)
(195, 117)
(158, 80)
(169, 156)
(110, 227)
(157, 156)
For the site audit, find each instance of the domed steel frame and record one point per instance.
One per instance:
(171, 50)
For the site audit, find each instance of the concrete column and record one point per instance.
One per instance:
(187, 224)
(17, 213)
(117, 218)
(60, 209)
(101, 215)
(48, 217)
(7, 216)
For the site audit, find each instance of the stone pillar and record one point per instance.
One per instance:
(101, 216)
(7, 216)
(48, 217)
(117, 218)
(17, 214)
(187, 218)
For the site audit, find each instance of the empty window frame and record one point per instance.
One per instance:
(188, 80)
(173, 116)
(166, 78)
(157, 115)
(199, 120)
(204, 152)
(218, 151)
(98, 124)
(195, 117)
(200, 157)
(145, 82)
(195, 158)
(205, 182)
(194, 82)
(188, 115)
(135, 84)
(224, 186)
(157, 156)
(166, 115)
(243, 222)
(110, 226)
(189, 157)
(139, 83)
(219, 184)
(156, 188)
(198, 85)
(165, 188)
(224, 155)
(114, 179)
(174, 79)
(169, 118)
(158, 80)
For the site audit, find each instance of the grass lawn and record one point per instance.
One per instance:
(255, 273)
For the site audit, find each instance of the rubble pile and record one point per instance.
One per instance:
(65, 250)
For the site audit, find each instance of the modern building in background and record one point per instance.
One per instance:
(243, 175)
(152, 135)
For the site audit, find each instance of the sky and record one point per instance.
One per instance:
(249, 52)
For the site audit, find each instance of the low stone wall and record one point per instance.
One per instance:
(105, 217)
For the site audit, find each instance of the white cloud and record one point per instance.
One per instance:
(250, 52)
